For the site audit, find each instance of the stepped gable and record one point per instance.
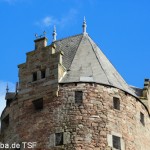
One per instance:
(85, 62)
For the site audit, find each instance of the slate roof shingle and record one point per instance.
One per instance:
(85, 62)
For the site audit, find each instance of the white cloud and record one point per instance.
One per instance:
(66, 19)
(3, 85)
(47, 21)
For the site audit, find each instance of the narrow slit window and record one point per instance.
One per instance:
(116, 142)
(43, 74)
(116, 103)
(142, 118)
(34, 76)
(38, 104)
(78, 97)
(59, 139)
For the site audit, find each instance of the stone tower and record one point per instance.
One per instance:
(70, 97)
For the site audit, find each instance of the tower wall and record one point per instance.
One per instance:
(57, 115)
(90, 124)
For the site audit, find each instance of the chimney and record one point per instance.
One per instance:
(40, 43)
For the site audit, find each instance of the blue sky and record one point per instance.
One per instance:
(120, 28)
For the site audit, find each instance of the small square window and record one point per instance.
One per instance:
(38, 104)
(142, 118)
(116, 103)
(59, 139)
(43, 74)
(78, 97)
(34, 76)
(116, 142)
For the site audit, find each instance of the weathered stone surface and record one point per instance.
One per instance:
(82, 129)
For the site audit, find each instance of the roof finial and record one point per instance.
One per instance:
(84, 26)
(7, 88)
(54, 34)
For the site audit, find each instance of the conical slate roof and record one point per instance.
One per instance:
(85, 62)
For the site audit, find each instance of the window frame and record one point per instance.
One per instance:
(36, 103)
(62, 138)
(116, 142)
(34, 76)
(116, 103)
(79, 97)
(43, 73)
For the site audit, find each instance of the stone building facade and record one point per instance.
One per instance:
(70, 97)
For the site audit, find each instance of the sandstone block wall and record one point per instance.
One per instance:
(89, 125)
